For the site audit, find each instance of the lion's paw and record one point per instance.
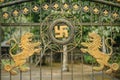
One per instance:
(97, 68)
(109, 71)
(13, 72)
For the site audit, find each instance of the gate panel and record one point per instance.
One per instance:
(63, 28)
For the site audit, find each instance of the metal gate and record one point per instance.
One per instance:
(59, 40)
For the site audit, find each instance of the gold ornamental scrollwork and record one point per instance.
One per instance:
(28, 48)
(93, 46)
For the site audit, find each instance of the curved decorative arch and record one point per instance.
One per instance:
(22, 1)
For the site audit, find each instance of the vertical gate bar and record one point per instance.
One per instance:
(82, 56)
(10, 59)
(41, 43)
(82, 60)
(51, 57)
(72, 72)
(0, 54)
(91, 20)
(61, 1)
(71, 65)
(20, 36)
(20, 70)
(102, 27)
(40, 58)
(30, 29)
(111, 23)
(41, 65)
(62, 65)
(0, 44)
(111, 33)
(8, 54)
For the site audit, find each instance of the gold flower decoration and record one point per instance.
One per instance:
(115, 15)
(105, 12)
(66, 6)
(96, 11)
(35, 9)
(76, 7)
(46, 7)
(25, 10)
(56, 6)
(5, 15)
(86, 8)
(15, 13)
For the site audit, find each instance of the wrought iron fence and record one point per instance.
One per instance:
(62, 28)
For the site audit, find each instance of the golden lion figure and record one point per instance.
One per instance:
(92, 47)
(28, 48)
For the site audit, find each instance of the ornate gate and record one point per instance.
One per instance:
(70, 36)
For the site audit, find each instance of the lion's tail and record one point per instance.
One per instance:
(107, 44)
(15, 44)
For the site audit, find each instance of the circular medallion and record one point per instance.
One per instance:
(61, 31)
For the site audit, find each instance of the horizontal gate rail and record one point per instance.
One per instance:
(38, 24)
(13, 3)
(22, 1)
(106, 2)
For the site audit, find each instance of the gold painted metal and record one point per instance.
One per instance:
(2, 0)
(96, 11)
(25, 10)
(35, 9)
(102, 58)
(86, 8)
(28, 48)
(45, 7)
(115, 15)
(61, 32)
(76, 7)
(66, 6)
(105, 12)
(15, 12)
(5, 15)
(118, 0)
(56, 6)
